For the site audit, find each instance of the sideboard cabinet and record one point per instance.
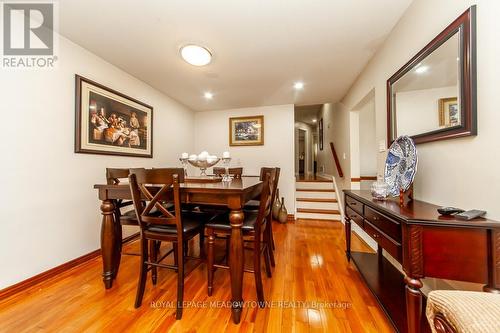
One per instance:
(426, 244)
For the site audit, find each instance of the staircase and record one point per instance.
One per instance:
(316, 199)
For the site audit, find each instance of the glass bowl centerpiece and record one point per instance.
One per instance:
(203, 161)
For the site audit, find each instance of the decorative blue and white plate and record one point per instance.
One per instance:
(400, 165)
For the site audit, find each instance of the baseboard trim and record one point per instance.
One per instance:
(34, 280)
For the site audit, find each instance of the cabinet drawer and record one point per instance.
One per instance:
(354, 216)
(388, 244)
(388, 226)
(354, 204)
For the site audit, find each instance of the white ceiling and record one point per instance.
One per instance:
(260, 47)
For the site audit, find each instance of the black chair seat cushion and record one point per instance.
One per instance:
(252, 205)
(221, 222)
(129, 216)
(191, 222)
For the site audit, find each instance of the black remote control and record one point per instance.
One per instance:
(449, 210)
(470, 214)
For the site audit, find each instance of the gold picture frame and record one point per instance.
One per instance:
(246, 131)
(449, 113)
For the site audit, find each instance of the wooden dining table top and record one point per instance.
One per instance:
(234, 186)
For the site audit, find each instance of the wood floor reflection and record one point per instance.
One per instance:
(313, 289)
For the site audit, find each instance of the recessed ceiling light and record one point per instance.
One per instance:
(421, 69)
(314, 120)
(196, 55)
(208, 95)
(298, 85)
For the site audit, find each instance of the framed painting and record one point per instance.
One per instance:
(111, 123)
(449, 113)
(246, 131)
(320, 130)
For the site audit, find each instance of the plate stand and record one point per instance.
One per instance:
(403, 195)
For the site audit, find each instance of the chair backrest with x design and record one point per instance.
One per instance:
(265, 201)
(114, 176)
(151, 190)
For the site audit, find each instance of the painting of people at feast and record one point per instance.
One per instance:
(111, 123)
(246, 131)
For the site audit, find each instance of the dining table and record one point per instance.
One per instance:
(233, 195)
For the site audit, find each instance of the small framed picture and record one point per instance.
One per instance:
(111, 123)
(320, 130)
(246, 131)
(449, 113)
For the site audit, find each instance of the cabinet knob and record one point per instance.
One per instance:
(375, 236)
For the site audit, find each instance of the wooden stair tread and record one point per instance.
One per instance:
(316, 219)
(317, 211)
(314, 190)
(314, 181)
(315, 200)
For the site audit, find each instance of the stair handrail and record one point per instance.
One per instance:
(337, 162)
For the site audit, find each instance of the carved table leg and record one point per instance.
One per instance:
(107, 242)
(236, 263)
(413, 304)
(118, 243)
(348, 238)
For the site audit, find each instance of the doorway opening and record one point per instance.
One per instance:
(306, 141)
(364, 147)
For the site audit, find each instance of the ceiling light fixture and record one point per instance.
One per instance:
(196, 55)
(298, 85)
(421, 69)
(208, 95)
(314, 120)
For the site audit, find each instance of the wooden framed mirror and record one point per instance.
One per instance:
(433, 96)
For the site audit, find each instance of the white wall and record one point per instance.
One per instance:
(444, 176)
(211, 134)
(459, 172)
(325, 161)
(418, 110)
(50, 211)
(368, 147)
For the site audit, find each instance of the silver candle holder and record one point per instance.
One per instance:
(184, 162)
(225, 162)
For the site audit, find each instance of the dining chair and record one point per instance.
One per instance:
(151, 189)
(114, 176)
(235, 172)
(254, 224)
(253, 205)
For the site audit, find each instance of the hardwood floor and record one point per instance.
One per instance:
(310, 267)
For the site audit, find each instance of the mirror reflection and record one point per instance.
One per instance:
(427, 97)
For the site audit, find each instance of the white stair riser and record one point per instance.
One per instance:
(315, 195)
(317, 205)
(317, 216)
(318, 185)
